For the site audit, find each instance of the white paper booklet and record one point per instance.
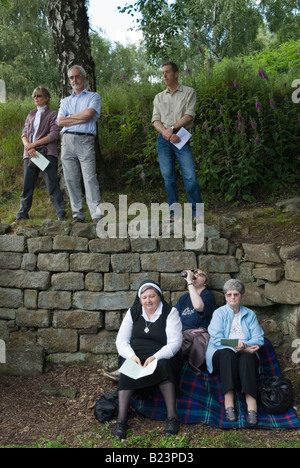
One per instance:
(134, 371)
(184, 136)
(41, 162)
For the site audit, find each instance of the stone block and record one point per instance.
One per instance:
(255, 297)
(25, 279)
(211, 231)
(58, 340)
(143, 245)
(172, 282)
(53, 262)
(171, 244)
(137, 278)
(104, 301)
(116, 282)
(70, 244)
(113, 321)
(288, 252)
(273, 274)
(124, 263)
(245, 274)
(33, 318)
(285, 292)
(12, 298)
(23, 337)
(12, 244)
(10, 261)
(218, 264)
(216, 245)
(30, 298)
(262, 253)
(102, 343)
(109, 245)
(7, 314)
(4, 229)
(94, 282)
(78, 319)
(29, 262)
(68, 281)
(23, 361)
(53, 227)
(168, 262)
(292, 270)
(40, 245)
(88, 262)
(4, 332)
(55, 300)
(84, 230)
(217, 280)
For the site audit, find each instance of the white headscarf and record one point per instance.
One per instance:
(149, 286)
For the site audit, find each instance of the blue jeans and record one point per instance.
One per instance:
(167, 155)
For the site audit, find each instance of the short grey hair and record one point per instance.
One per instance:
(236, 284)
(80, 68)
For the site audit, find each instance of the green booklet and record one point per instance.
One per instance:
(231, 343)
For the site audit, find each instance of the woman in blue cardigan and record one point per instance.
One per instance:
(237, 366)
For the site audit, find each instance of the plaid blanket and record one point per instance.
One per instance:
(201, 400)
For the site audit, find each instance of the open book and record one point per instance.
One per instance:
(134, 371)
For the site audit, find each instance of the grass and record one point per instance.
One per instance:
(208, 438)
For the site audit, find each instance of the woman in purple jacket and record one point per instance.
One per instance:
(41, 133)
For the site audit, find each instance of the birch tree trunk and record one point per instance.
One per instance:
(70, 28)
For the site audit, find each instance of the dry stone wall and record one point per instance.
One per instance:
(63, 291)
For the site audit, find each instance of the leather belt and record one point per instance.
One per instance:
(80, 134)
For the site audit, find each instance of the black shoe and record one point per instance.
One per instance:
(120, 430)
(252, 418)
(173, 427)
(230, 414)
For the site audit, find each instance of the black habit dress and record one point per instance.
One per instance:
(146, 345)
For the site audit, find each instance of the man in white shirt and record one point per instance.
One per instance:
(78, 114)
(175, 108)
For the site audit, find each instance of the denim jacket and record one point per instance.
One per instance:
(220, 327)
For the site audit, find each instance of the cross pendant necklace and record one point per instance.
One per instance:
(148, 325)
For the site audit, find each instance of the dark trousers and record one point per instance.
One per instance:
(237, 371)
(30, 175)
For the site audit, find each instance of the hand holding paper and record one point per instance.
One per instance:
(134, 371)
(41, 162)
(184, 136)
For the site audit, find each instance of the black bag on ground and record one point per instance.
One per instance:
(107, 407)
(276, 394)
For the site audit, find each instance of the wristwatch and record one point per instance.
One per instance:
(173, 128)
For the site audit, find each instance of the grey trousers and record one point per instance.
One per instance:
(79, 162)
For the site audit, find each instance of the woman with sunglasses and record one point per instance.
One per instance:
(41, 134)
(237, 366)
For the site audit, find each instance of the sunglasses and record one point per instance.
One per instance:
(37, 96)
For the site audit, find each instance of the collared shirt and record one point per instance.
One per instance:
(170, 108)
(78, 103)
(173, 332)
